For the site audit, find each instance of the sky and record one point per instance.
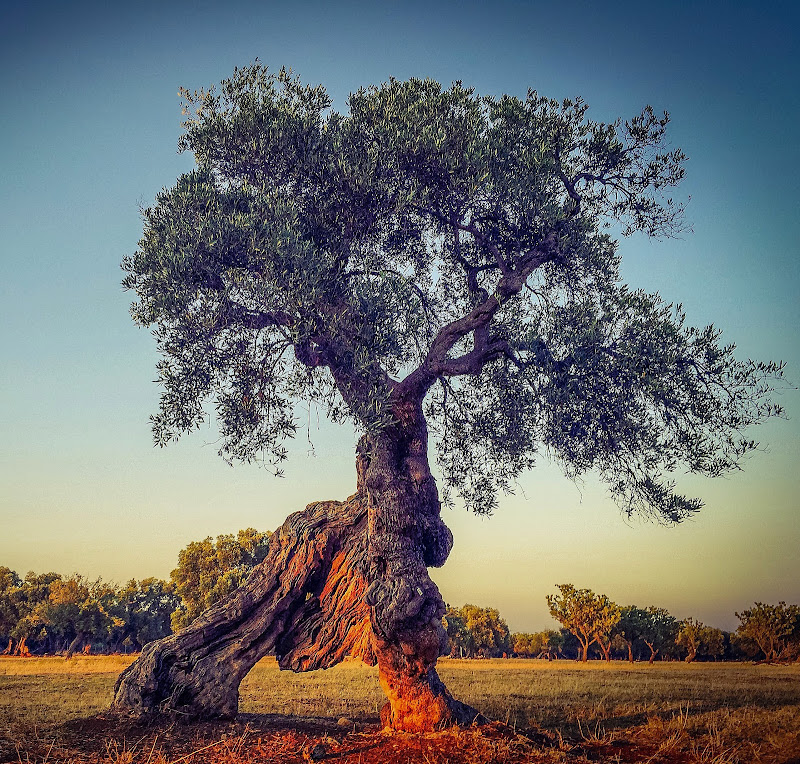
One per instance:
(89, 123)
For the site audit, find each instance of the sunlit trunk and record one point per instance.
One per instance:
(339, 579)
(304, 602)
(406, 535)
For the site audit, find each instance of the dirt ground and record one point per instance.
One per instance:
(274, 739)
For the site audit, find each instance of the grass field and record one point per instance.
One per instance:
(669, 712)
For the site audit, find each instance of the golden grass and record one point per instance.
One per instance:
(670, 712)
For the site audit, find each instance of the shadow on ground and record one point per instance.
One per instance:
(273, 738)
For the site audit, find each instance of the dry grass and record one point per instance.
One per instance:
(669, 712)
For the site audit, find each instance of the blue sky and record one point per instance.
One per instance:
(89, 123)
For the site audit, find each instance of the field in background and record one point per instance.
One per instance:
(668, 712)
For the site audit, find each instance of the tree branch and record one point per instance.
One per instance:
(437, 363)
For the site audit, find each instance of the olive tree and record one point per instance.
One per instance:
(774, 628)
(435, 267)
(590, 617)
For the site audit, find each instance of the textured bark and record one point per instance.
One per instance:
(339, 579)
(305, 602)
(406, 535)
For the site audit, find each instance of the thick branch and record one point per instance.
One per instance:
(438, 364)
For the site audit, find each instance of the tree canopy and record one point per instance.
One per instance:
(474, 630)
(774, 628)
(590, 617)
(51, 612)
(209, 569)
(432, 244)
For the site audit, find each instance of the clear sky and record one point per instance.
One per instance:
(89, 122)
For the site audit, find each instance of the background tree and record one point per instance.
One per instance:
(29, 598)
(432, 262)
(630, 627)
(774, 628)
(658, 630)
(143, 612)
(698, 639)
(9, 615)
(713, 644)
(590, 617)
(459, 640)
(209, 570)
(488, 631)
(607, 615)
(474, 630)
(539, 644)
(524, 644)
(76, 611)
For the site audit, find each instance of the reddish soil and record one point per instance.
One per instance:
(273, 739)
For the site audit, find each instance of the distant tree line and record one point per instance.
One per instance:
(769, 632)
(51, 613)
(593, 625)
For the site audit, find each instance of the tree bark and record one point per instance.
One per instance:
(406, 535)
(339, 579)
(304, 602)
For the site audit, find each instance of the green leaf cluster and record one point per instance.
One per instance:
(47, 612)
(210, 569)
(476, 631)
(437, 246)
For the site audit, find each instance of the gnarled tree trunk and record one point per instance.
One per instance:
(304, 602)
(406, 535)
(340, 578)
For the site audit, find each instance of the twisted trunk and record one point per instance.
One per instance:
(304, 602)
(406, 536)
(339, 579)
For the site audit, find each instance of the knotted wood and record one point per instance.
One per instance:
(339, 579)
(305, 602)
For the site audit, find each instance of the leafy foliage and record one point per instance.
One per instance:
(590, 617)
(474, 630)
(48, 612)
(208, 570)
(698, 639)
(774, 628)
(433, 244)
(539, 643)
